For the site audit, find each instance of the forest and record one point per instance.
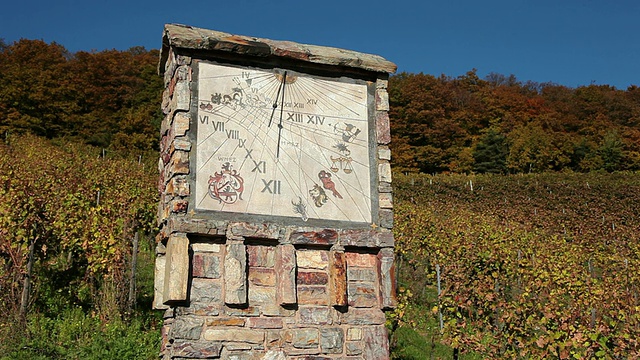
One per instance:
(520, 197)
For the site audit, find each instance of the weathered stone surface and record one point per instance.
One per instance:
(324, 237)
(178, 164)
(362, 260)
(376, 343)
(362, 294)
(195, 350)
(261, 256)
(261, 277)
(244, 311)
(302, 338)
(385, 200)
(382, 100)
(384, 153)
(235, 275)
(251, 336)
(205, 291)
(259, 295)
(187, 37)
(383, 132)
(338, 279)
(176, 276)
(331, 340)
(181, 143)
(386, 218)
(354, 334)
(367, 238)
(250, 230)
(178, 186)
(312, 278)
(384, 171)
(205, 247)
(158, 283)
(265, 323)
(385, 187)
(200, 309)
(315, 315)
(196, 226)
(387, 272)
(286, 292)
(206, 265)
(313, 295)
(179, 206)
(363, 316)
(186, 328)
(181, 123)
(225, 322)
(312, 259)
(355, 348)
(361, 274)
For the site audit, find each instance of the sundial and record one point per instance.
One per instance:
(283, 143)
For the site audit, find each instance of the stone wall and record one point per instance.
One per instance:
(264, 290)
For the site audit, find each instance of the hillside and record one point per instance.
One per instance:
(531, 266)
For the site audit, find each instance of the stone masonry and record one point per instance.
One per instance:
(259, 289)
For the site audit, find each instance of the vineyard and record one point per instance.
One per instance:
(69, 215)
(530, 266)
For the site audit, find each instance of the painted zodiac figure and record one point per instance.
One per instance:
(328, 184)
(318, 195)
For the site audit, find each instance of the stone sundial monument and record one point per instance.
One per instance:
(276, 208)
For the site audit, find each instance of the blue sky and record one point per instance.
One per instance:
(568, 42)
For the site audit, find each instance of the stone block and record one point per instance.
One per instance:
(195, 349)
(331, 340)
(312, 259)
(312, 277)
(386, 218)
(387, 272)
(354, 334)
(261, 256)
(178, 186)
(265, 323)
(385, 200)
(206, 265)
(363, 316)
(338, 279)
(385, 187)
(181, 123)
(313, 295)
(355, 348)
(158, 283)
(286, 292)
(261, 277)
(250, 230)
(384, 171)
(199, 309)
(262, 295)
(376, 343)
(384, 153)
(302, 338)
(188, 328)
(383, 131)
(315, 315)
(382, 100)
(176, 276)
(251, 336)
(362, 274)
(366, 260)
(324, 237)
(205, 248)
(235, 274)
(242, 311)
(234, 321)
(362, 294)
(205, 291)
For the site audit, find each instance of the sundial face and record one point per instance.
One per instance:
(276, 142)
